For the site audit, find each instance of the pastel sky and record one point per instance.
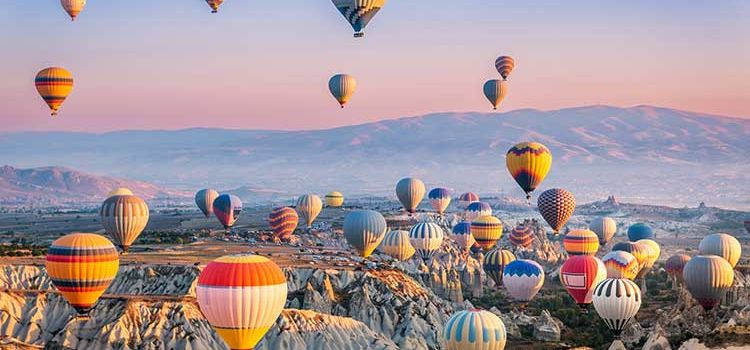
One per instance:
(145, 64)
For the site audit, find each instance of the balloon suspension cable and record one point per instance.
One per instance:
(528, 199)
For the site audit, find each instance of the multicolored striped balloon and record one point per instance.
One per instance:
(461, 234)
(604, 227)
(639, 251)
(580, 274)
(214, 5)
(358, 12)
(467, 198)
(528, 164)
(504, 65)
(495, 91)
(426, 238)
(708, 278)
(124, 218)
(342, 87)
(73, 7)
(204, 199)
(241, 296)
(410, 192)
(334, 199)
(617, 301)
(723, 245)
(621, 264)
(440, 199)
(227, 208)
(521, 236)
(364, 229)
(283, 222)
(54, 84)
(474, 330)
(556, 206)
(675, 266)
(523, 279)
(309, 207)
(477, 209)
(487, 230)
(494, 263)
(397, 245)
(581, 242)
(82, 266)
(639, 231)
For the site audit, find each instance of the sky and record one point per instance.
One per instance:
(171, 64)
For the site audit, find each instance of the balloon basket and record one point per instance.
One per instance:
(359, 34)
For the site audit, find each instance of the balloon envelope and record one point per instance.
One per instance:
(486, 230)
(621, 264)
(440, 199)
(580, 274)
(124, 218)
(334, 199)
(204, 199)
(426, 238)
(639, 231)
(521, 236)
(120, 191)
(410, 192)
(364, 229)
(309, 207)
(467, 198)
(477, 209)
(639, 251)
(504, 65)
(358, 13)
(283, 222)
(54, 84)
(723, 245)
(214, 5)
(227, 208)
(556, 206)
(397, 245)
(604, 227)
(495, 262)
(461, 234)
(581, 242)
(528, 163)
(708, 278)
(523, 279)
(675, 266)
(495, 91)
(73, 7)
(474, 330)
(342, 87)
(617, 301)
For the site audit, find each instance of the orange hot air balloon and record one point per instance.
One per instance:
(581, 242)
(528, 163)
(54, 84)
(214, 5)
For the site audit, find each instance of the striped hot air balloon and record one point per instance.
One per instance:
(342, 87)
(426, 238)
(504, 65)
(309, 207)
(581, 242)
(120, 191)
(639, 251)
(556, 206)
(523, 279)
(494, 263)
(495, 91)
(82, 266)
(639, 231)
(474, 330)
(410, 192)
(358, 12)
(477, 209)
(528, 164)
(654, 251)
(214, 5)
(397, 245)
(467, 198)
(54, 84)
(617, 301)
(440, 199)
(461, 234)
(364, 229)
(675, 265)
(73, 7)
(227, 208)
(204, 199)
(124, 218)
(708, 278)
(334, 199)
(580, 274)
(604, 227)
(723, 245)
(241, 296)
(521, 236)
(621, 264)
(283, 222)
(486, 230)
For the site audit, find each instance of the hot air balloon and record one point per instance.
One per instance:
(675, 266)
(82, 266)
(504, 65)
(581, 242)
(241, 296)
(723, 245)
(426, 238)
(283, 222)
(334, 199)
(410, 192)
(467, 198)
(54, 84)
(477, 209)
(523, 279)
(495, 262)
(309, 206)
(474, 330)
(617, 301)
(521, 236)
(364, 229)
(440, 199)
(654, 251)
(462, 235)
(486, 230)
(708, 278)
(604, 227)
(621, 264)
(495, 91)
(358, 13)
(120, 191)
(639, 231)
(214, 4)
(528, 163)
(204, 199)
(556, 206)
(124, 218)
(638, 250)
(342, 87)
(397, 245)
(73, 7)
(227, 208)
(580, 274)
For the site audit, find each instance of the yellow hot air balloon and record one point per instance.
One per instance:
(495, 91)
(120, 191)
(397, 245)
(214, 4)
(528, 163)
(124, 218)
(334, 199)
(309, 206)
(73, 7)
(487, 230)
(54, 84)
(342, 87)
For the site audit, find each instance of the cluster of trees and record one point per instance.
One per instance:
(20, 249)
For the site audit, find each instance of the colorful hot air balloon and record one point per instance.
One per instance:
(73, 7)
(639, 231)
(309, 206)
(723, 245)
(426, 238)
(581, 242)
(495, 91)
(528, 163)
(214, 4)
(397, 245)
(283, 222)
(617, 301)
(675, 266)
(241, 296)
(334, 199)
(504, 65)
(410, 192)
(54, 84)
(82, 266)
(342, 87)
(521, 236)
(467, 198)
(440, 199)
(654, 251)
(474, 330)
(204, 199)
(364, 229)
(120, 191)
(227, 208)
(358, 12)
(638, 250)
(580, 274)
(495, 262)
(604, 227)
(708, 278)
(556, 206)
(486, 230)
(477, 209)
(621, 264)
(124, 218)
(523, 279)
(462, 235)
